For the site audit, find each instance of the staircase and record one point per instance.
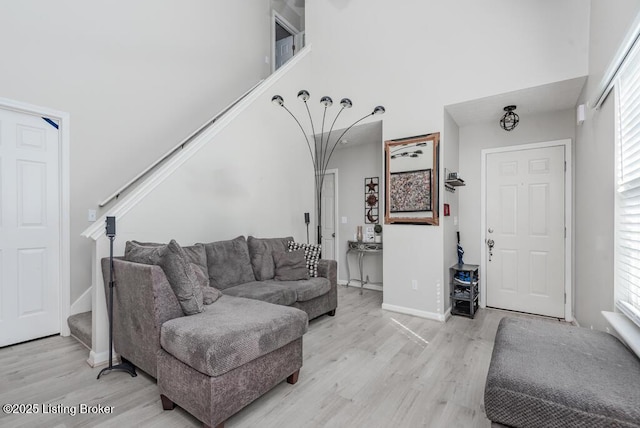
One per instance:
(203, 165)
(80, 326)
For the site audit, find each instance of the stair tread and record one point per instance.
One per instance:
(80, 326)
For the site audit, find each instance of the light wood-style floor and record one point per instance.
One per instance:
(365, 367)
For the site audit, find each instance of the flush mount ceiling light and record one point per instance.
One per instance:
(510, 119)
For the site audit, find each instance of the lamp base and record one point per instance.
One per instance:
(125, 366)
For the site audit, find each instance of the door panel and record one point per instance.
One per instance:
(29, 228)
(525, 219)
(284, 51)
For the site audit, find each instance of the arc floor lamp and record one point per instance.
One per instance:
(322, 148)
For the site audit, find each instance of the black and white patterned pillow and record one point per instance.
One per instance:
(311, 255)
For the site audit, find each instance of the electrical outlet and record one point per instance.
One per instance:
(92, 215)
(414, 284)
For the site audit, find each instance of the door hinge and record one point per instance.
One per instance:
(565, 166)
(565, 233)
(565, 298)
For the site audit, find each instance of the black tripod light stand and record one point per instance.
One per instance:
(125, 366)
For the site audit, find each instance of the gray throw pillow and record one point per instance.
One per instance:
(197, 255)
(228, 263)
(177, 268)
(290, 266)
(209, 294)
(260, 252)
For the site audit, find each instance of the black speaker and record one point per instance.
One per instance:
(306, 218)
(111, 226)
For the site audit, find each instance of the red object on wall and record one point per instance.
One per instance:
(446, 210)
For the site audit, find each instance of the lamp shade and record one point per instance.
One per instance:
(378, 110)
(303, 95)
(326, 101)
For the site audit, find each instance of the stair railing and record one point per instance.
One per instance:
(177, 148)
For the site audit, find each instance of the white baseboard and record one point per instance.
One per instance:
(417, 313)
(101, 358)
(374, 287)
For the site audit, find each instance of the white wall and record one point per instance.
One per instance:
(475, 138)
(295, 16)
(354, 164)
(136, 78)
(594, 173)
(416, 57)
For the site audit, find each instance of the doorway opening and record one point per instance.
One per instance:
(287, 41)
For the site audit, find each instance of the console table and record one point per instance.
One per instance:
(361, 249)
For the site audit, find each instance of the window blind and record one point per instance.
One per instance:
(627, 229)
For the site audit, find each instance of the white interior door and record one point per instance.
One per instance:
(329, 216)
(284, 51)
(29, 228)
(525, 219)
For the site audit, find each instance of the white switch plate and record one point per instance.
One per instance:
(455, 220)
(344, 220)
(92, 215)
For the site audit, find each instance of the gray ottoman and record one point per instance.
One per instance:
(546, 374)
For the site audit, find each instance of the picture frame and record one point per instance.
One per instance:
(411, 180)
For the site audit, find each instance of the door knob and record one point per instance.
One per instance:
(333, 235)
(491, 230)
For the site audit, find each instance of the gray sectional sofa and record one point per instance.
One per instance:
(217, 324)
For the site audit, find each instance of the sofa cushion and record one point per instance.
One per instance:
(308, 289)
(177, 268)
(260, 252)
(197, 255)
(290, 266)
(209, 294)
(311, 254)
(545, 374)
(228, 263)
(266, 291)
(231, 333)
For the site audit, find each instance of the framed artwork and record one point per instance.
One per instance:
(410, 191)
(411, 180)
(371, 200)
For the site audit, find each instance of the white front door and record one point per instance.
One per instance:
(525, 219)
(29, 228)
(329, 216)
